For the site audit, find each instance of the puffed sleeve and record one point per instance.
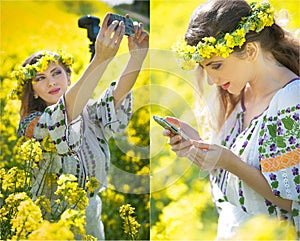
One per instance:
(53, 122)
(103, 113)
(279, 146)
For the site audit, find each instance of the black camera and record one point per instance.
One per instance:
(129, 31)
(91, 23)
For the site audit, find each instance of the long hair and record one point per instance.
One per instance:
(217, 17)
(29, 104)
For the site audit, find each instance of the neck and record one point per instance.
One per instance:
(272, 77)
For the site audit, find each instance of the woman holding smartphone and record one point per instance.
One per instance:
(254, 158)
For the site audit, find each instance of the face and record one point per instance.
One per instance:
(231, 73)
(51, 84)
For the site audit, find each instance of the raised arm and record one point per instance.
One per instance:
(107, 44)
(138, 47)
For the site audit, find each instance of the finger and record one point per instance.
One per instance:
(183, 152)
(202, 145)
(181, 145)
(105, 22)
(175, 139)
(139, 30)
(167, 132)
(111, 29)
(119, 33)
(135, 28)
(143, 36)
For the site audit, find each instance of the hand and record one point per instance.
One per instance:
(209, 156)
(109, 39)
(185, 127)
(179, 145)
(139, 44)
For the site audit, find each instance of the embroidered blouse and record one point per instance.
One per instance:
(81, 148)
(271, 143)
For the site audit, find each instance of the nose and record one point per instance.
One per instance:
(211, 80)
(51, 82)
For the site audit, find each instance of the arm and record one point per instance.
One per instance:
(138, 47)
(215, 156)
(107, 45)
(208, 157)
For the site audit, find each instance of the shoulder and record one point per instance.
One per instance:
(288, 96)
(289, 93)
(27, 125)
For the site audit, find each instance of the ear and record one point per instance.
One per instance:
(69, 79)
(252, 50)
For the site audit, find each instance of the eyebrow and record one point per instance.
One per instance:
(54, 69)
(212, 62)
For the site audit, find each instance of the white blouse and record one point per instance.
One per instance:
(82, 146)
(271, 143)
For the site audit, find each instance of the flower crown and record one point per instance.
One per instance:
(261, 15)
(24, 74)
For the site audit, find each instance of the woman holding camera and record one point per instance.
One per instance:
(78, 127)
(254, 158)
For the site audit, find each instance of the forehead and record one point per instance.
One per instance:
(211, 60)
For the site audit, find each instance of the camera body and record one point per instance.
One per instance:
(91, 23)
(129, 31)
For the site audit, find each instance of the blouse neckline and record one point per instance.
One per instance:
(243, 96)
(255, 117)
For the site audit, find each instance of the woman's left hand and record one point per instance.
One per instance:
(210, 156)
(138, 44)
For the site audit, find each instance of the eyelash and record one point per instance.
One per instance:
(217, 66)
(58, 72)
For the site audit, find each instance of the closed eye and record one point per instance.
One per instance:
(216, 66)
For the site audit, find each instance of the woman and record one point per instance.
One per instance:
(78, 127)
(254, 158)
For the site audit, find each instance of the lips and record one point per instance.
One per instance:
(54, 91)
(225, 86)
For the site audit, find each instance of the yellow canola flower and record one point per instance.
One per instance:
(130, 225)
(69, 191)
(27, 219)
(44, 203)
(93, 184)
(261, 16)
(31, 150)
(48, 145)
(14, 179)
(126, 210)
(272, 229)
(24, 74)
(75, 220)
(51, 231)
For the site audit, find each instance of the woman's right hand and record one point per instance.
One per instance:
(178, 144)
(109, 39)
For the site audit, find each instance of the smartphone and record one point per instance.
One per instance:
(129, 31)
(168, 125)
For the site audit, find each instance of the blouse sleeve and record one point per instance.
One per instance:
(279, 146)
(53, 122)
(103, 113)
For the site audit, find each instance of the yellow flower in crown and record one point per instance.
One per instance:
(260, 16)
(24, 74)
